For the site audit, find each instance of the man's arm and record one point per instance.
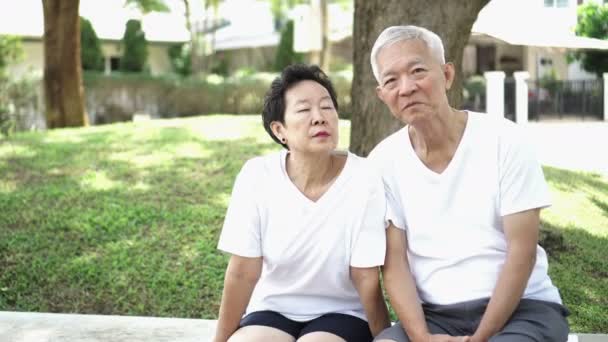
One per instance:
(242, 275)
(401, 289)
(521, 231)
(367, 282)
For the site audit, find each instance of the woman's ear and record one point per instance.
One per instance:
(278, 129)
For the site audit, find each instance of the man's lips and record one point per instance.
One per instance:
(411, 104)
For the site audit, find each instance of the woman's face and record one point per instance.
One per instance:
(311, 121)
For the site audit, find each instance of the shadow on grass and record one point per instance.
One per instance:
(580, 273)
(140, 241)
(572, 181)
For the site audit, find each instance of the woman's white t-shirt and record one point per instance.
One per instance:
(307, 247)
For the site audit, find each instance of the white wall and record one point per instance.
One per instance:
(33, 59)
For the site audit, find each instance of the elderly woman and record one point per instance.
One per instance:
(305, 228)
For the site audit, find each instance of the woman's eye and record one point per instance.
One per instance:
(303, 110)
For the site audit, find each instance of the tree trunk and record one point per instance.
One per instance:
(325, 42)
(63, 90)
(192, 31)
(451, 20)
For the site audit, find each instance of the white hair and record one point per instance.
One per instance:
(394, 34)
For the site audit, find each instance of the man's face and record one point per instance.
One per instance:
(413, 83)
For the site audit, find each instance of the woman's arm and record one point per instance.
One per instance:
(367, 282)
(242, 274)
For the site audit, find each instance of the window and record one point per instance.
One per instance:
(556, 3)
(114, 63)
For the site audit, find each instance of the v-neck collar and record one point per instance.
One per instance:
(328, 193)
(455, 158)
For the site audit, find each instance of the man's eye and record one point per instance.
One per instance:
(389, 81)
(418, 70)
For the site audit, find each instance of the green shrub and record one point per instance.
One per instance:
(135, 48)
(90, 47)
(285, 53)
(180, 58)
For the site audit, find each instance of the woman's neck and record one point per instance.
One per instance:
(313, 173)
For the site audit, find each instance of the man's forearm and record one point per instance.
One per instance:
(508, 292)
(404, 299)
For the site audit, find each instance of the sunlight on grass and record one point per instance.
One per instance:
(579, 199)
(143, 160)
(99, 180)
(7, 186)
(190, 150)
(9, 149)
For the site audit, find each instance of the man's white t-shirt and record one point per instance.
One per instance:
(307, 247)
(453, 220)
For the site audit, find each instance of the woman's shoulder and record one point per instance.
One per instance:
(363, 167)
(263, 164)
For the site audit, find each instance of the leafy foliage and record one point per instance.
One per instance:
(90, 47)
(285, 54)
(135, 47)
(593, 22)
(147, 6)
(180, 58)
(11, 51)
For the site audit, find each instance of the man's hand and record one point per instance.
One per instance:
(446, 338)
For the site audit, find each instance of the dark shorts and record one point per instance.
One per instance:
(532, 321)
(350, 328)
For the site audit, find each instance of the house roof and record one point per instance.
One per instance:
(515, 22)
(553, 41)
(108, 17)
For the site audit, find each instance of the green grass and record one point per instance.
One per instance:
(124, 219)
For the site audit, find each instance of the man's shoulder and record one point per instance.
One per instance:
(389, 146)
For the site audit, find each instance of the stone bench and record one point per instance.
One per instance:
(52, 327)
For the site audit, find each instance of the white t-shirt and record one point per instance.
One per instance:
(453, 220)
(307, 247)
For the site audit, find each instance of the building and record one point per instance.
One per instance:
(108, 19)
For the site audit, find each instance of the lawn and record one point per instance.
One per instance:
(124, 219)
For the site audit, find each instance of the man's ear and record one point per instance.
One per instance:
(449, 72)
(379, 93)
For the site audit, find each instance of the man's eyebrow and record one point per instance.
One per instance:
(408, 65)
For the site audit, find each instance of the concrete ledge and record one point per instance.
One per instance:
(52, 327)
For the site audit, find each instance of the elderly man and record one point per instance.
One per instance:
(464, 194)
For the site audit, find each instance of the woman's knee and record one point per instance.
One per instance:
(258, 333)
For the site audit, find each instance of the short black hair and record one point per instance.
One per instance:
(274, 101)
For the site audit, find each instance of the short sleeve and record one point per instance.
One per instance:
(394, 208)
(394, 211)
(369, 245)
(522, 182)
(241, 230)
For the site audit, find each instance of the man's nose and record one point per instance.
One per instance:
(407, 86)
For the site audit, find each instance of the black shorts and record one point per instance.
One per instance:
(350, 328)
